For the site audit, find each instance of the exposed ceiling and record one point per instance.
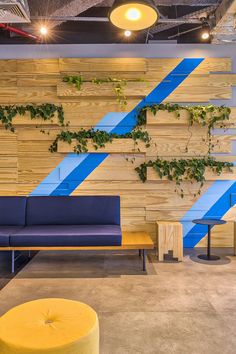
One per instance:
(85, 21)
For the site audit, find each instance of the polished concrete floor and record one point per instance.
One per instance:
(182, 308)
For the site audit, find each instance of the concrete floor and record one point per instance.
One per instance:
(182, 308)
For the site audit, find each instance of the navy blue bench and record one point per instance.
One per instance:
(66, 223)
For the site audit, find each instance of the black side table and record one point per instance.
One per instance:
(209, 223)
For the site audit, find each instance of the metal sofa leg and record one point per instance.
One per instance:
(140, 253)
(29, 254)
(144, 260)
(13, 261)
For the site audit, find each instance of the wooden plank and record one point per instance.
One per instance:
(102, 64)
(199, 94)
(221, 236)
(89, 89)
(162, 64)
(45, 80)
(130, 240)
(25, 121)
(8, 65)
(169, 146)
(8, 93)
(208, 65)
(169, 118)
(41, 66)
(7, 81)
(30, 134)
(153, 176)
(222, 79)
(8, 143)
(214, 65)
(117, 146)
(37, 94)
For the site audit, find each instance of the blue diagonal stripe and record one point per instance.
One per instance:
(213, 204)
(89, 162)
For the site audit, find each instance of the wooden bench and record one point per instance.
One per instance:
(130, 241)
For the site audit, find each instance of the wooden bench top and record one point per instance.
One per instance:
(130, 241)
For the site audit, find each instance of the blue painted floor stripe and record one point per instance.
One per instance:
(126, 124)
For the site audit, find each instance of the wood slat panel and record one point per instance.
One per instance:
(131, 89)
(102, 64)
(25, 160)
(8, 65)
(168, 146)
(199, 94)
(169, 118)
(118, 146)
(44, 80)
(152, 175)
(214, 65)
(41, 66)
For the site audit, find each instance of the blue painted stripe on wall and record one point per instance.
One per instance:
(65, 167)
(162, 91)
(216, 204)
(81, 171)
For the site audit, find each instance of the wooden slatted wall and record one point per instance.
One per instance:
(25, 160)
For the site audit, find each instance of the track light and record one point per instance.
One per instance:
(205, 33)
(43, 30)
(127, 33)
(133, 14)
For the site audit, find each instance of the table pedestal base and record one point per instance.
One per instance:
(205, 257)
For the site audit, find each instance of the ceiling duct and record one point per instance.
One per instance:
(14, 11)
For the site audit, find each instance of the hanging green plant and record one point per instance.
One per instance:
(99, 138)
(181, 170)
(118, 85)
(45, 111)
(208, 116)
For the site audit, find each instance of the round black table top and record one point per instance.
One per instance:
(209, 221)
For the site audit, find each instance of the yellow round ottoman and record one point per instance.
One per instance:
(55, 326)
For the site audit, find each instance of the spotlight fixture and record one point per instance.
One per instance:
(127, 33)
(133, 14)
(43, 30)
(205, 33)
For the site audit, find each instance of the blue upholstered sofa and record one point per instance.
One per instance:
(59, 221)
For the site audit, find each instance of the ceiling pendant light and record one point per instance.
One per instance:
(133, 15)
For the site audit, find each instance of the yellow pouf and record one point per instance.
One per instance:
(53, 326)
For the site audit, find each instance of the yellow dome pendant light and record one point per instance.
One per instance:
(133, 15)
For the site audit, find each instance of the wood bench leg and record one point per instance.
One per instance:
(144, 260)
(13, 261)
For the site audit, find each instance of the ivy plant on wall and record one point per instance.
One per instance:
(208, 116)
(46, 112)
(99, 138)
(181, 170)
(118, 85)
(192, 169)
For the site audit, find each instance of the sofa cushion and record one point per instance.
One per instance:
(71, 235)
(82, 210)
(5, 232)
(12, 211)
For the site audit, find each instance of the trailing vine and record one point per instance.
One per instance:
(181, 170)
(118, 85)
(208, 116)
(99, 138)
(45, 111)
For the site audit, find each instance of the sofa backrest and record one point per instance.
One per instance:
(12, 211)
(81, 210)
